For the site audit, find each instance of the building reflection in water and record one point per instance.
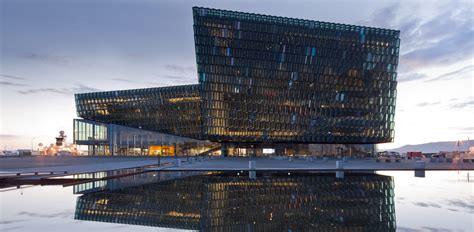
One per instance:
(272, 202)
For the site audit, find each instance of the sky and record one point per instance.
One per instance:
(51, 49)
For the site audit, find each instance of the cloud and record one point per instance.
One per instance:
(423, 104)
(442, 39)
(423, 204)
(14, 228)
(43, 90)
(13, 77)
(82, 89)
(462, 105)
(463, 128)
(64, 214)
(181, 79)
(10, 137)
(386, 15)
(59, 60)
(432, 229)
(468, 206)
(166, 80)
(415, 76)
(407, 229)
(64, 91)
(10, 221)
(154, 83)
(172, 77)
(412, 76)
(123, 80)
(455, 74)
(179, 68)
(8, 83)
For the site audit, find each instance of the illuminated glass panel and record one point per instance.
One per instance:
(172, 110)
(267, 78)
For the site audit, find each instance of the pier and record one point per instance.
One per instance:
(16, 171)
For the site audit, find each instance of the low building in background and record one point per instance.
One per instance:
(268, 86)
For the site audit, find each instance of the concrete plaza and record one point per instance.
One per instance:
(311, 164)
(83, 164)
(73, 164)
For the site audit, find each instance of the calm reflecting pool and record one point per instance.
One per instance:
(216, 201)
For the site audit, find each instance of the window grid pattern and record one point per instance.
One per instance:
(267, 78)
(172, 110)
(220, 202)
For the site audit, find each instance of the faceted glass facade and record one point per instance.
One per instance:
(277, 202)
(172, 110)
(290, 84)
(265, 78)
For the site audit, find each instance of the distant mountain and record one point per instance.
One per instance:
(436, 146)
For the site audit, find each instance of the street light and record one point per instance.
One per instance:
(32, 145)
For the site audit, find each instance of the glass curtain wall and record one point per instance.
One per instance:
(172, 110)
(107, 139)
(267, 78)
(295, 149)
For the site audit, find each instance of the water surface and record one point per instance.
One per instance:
(171, 201)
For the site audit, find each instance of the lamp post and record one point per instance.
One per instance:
(32, 145)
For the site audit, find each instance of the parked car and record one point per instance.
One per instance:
(440, 154)
(10, 153)
(388, 154)
(394, 154)
(382, 154)
(414, 154)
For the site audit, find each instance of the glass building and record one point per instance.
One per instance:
(112, 139)
(266, 78)
(172, 110)
(225, 202)
(271, 85)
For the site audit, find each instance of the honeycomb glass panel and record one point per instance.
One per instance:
(327, 82)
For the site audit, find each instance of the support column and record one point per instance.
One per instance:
(252, 168)
(111, 136)
(175, 151)
(224, 150)
(279, 150)
(339, 166)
